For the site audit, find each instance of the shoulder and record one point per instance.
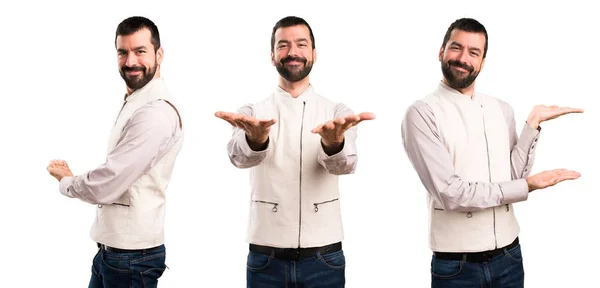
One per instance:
(419, 109)
(158, 114)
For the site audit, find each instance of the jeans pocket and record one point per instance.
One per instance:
(150, 267)
(116, 270)
(334, 260)
(116, 263)
(445, 269)
(514, 253)
(150, 277)
(257, 261)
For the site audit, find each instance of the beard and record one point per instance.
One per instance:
(293, 74)
(456, 79)
(135, 82)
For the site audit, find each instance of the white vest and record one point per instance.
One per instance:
(136, 220)
(295, 200)
(475, 133)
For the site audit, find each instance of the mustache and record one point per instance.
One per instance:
(461, 65)
(291, 58)
(134, 68)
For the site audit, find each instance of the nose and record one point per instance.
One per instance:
(131, 60)
(293, 51)
(463, 56)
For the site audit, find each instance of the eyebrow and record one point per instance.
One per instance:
(297, 40)
(134, 49)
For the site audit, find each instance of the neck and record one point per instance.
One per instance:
(467, 91)
(294, 88)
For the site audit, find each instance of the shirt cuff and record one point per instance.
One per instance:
(245, 147)
(65, 186)
(514, 191)
(529, 138)
(335, 157)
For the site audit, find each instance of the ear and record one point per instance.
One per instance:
(314, 56)
(273, 58)
(159, 55)
(441, 54)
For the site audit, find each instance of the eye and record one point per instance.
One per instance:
(474, 54)
(454, 48)
(301, 45)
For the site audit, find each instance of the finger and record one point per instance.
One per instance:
(348, 125)
(339, 121)
(366, 116)
(568, 176)
(222, 114)
(242, 125)
(230, 122)
(566, 110)
(329, 126)
(266, 123)
(570, 173)
(317, 129)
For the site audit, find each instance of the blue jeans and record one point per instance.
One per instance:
(504, 270)
(322, 271)
(127, 270)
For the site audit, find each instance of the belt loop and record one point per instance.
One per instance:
(272, 254)
(464, 258)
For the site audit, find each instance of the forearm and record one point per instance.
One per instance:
(100, 186)
(462, 196)
(523, 153)
(435, 168)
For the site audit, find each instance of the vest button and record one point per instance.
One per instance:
(469, 215)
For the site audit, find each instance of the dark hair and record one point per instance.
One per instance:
(290, 21)
(135, 24)
(467, 25)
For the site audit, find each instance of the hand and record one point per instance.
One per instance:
(550, 178)
(59, 169)
(541, 113)
(332, 132)
(257, 130)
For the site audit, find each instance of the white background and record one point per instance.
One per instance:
(61, 91)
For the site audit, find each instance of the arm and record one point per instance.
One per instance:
(522, 149)
(150, 130)
(434, 167)
(343, 159)
(242, 153)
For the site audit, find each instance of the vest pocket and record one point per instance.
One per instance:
(324, 202)
(274, 209)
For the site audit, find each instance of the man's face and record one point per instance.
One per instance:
(462, 58)
(293, 55)
(136, 58)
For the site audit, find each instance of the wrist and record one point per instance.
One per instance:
(258, 144)
(533, 121)
(529, 185)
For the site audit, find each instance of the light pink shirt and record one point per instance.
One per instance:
(149, 134)
(431, 160)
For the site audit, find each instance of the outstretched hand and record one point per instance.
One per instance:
(332, 132)
(257, 130)
(550, 178)
(541, 113)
